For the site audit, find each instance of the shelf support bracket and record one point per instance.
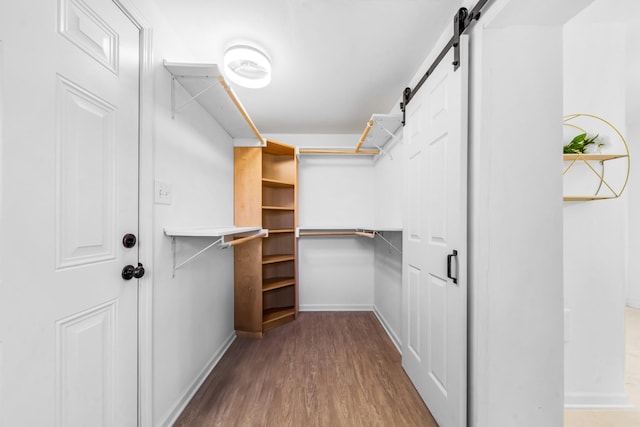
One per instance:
(197, 254)
(391, 245)
(175, 109)
(221, 241)
(383, 152)
(391, 135)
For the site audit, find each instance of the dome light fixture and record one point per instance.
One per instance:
(247, 66)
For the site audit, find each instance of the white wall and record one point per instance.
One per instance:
(388, 203)
(633, 137)
(515, 183)
(389, 185)
(192, 313)
(387, 284)
(335, 191)
(1, 211)
(595, 232)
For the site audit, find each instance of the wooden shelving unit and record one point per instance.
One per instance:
(266, 284)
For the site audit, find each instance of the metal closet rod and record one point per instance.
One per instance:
(462, 20)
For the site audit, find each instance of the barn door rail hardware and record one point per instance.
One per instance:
(243, 234)
(461, 22)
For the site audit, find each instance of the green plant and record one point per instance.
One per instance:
(578, 145)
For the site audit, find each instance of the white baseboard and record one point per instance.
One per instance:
(596, 401)
(182, 403)
(336, 307)
(394, 338)
(633, 302)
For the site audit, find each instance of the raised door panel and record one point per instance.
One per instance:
(414, 290)
(86, 172)
(81, 25)
(85, 373)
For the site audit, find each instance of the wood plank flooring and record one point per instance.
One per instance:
(324, 369)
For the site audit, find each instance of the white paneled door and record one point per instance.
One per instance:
(435, 246)
(70, 170)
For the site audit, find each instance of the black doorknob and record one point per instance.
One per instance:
(128, 271)
(129, 240)
(138, 272)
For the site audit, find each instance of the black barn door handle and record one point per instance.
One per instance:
(449, 257)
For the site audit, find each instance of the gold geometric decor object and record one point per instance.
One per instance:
(599, 144)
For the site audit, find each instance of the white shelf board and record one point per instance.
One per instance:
(206, 231)
(195, 78)
(383, 228)
(180, 69)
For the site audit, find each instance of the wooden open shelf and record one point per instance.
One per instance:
(278, 208)
(266, 286)
(272, 259)
(272, 315)
(585, 198)
(277, 184)
(283, 230)
(591, 166)
(277, 283)
(598, 156)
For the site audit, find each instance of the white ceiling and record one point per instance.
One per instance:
(335, 62)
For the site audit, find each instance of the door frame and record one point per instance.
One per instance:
(145, 212)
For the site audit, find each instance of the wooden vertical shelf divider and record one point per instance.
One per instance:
(266, 272)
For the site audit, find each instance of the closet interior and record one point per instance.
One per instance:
(265, 232)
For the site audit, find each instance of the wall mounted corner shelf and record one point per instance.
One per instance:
(374, 141)
(382, 135)
(206, 85)
(243, 234)
(593, 161)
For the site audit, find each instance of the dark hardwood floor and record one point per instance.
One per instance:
(325, 369)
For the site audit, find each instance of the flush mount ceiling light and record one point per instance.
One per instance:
(247, 66)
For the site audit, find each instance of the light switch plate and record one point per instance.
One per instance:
(163, 193)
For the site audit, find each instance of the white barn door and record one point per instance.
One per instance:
(68, 319)
(435, 242)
